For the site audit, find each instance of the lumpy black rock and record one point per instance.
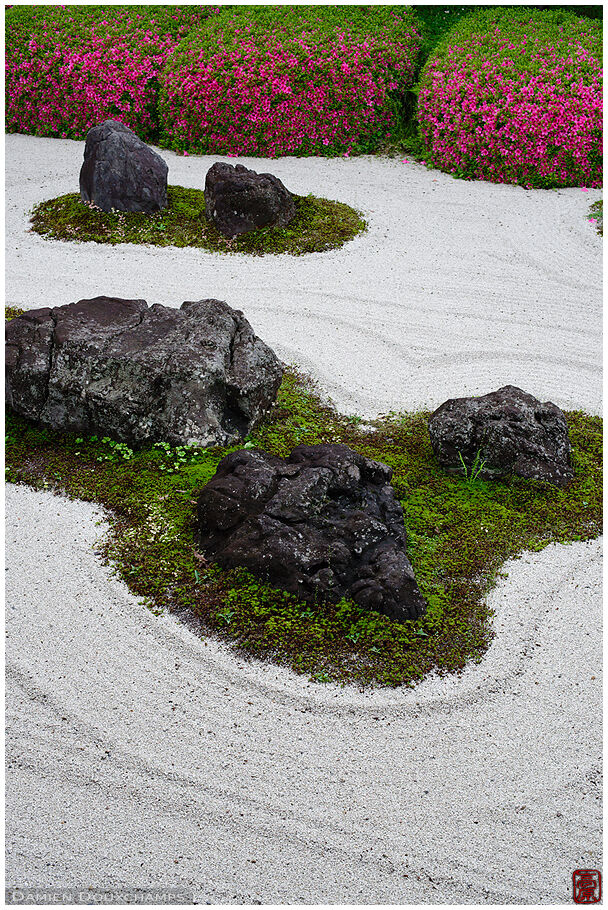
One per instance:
(322, 524)
(238, 200)
(196, 375)
(506, 432)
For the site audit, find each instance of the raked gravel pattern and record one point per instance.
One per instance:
(139, 755)
(457, 287)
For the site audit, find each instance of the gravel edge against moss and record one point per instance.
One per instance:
(319, 225)
(459, 536)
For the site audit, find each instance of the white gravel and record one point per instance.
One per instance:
(456, 289)
(140, 756)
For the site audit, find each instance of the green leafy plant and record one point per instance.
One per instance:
(176, 457)
(12, 311)
(322, 677)
(225, 616)
(472, 474)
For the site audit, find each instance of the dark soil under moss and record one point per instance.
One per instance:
(459, 535)
(319, 225)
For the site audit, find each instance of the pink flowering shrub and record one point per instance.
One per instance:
(515, 96)
(69, 68)
(289, 81)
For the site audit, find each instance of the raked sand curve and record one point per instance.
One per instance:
(140, 756)
(457, 288)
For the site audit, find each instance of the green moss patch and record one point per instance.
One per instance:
(11, 311)
(459, 535)
(319, 225)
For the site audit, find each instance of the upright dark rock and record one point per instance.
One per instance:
(509, 431)
(323, 524)
(238, 200)
(121, 172)
(197, 375)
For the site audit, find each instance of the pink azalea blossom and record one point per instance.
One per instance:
(515, 96)
(277, 91)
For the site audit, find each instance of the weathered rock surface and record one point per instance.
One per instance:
(121, 172)
(323, 524)
(238, 200)
(513, 432)
(197, 375)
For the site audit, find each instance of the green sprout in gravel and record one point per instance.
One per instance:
(596, 216)
(319, 225)
(459, 536)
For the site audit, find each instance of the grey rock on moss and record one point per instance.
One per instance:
(323, 524)
(510, 431)
(121, 172)
(238, 200)
(197, 375)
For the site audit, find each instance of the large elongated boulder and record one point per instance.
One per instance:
(197, 375)
(121, 172)
(238, 200)
(323, 524)
(504, 432)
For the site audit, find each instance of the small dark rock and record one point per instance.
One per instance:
(238, 200)
(323, 524)
(197, 375)
(121, 172)
(510, 431)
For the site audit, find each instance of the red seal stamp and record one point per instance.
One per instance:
(586, 886)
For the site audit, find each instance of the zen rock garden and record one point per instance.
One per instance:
(121, 173)
(303, 556)
(324, 523)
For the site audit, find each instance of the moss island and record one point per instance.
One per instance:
(319, 225)
(460, 532)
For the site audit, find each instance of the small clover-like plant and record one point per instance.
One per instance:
(225, 616)
(117, 449)
(322, 677)
(176, 458)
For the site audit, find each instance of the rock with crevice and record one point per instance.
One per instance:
(238, 200)
(120, 172)
(198, 375)
(322, 524)
(505, 432)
